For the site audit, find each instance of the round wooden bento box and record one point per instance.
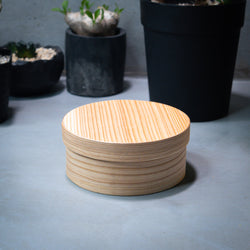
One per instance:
(126, 147)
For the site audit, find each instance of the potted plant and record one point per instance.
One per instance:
(5, 67)
(35, 69)
(95, 50)
(5, 64)
(191, 48)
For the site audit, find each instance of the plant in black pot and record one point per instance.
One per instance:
(5, 74)
(5, 65)
(35, 69)
(191, 49)
(95, 50)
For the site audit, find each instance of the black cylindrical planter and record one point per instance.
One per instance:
(36, 78)
(95, 65)
(191, 53)
(4, 84)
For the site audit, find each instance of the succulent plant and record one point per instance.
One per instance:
(23, 50)
(99, 22)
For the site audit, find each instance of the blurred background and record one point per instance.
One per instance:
(33, 21)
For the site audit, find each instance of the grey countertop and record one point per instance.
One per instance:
(40, 208)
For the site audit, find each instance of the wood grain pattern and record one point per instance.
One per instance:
(130, 188)
(126, 152)
(79, 132)
(126, 121)
(122, 167)
(126, 147)
(120, 170)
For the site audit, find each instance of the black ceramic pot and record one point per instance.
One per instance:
(95, 65)
(4, 84)
(191, 53)
(35, 78)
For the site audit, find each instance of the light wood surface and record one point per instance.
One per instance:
(149, 141)
(128, 188)
(126, 147)
(119, 167)
(126, 121)
(126, 152)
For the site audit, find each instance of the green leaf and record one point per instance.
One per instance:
(102, 14)
(82, 3)
(97, 13)
(59, 10)
(121, 10)
(56, 9)
(88, 5)
(12, 47)
(65, 5)
(117, 9)
(81, 11)
(106, 7)
(23, 50)
(89, 14)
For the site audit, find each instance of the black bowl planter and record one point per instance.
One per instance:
(95, 65)
(37, 77)
(4, 84)
(191, 53)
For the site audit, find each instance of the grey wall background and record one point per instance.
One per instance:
(33, 20)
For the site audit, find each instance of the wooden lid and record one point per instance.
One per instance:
(126, 121)
(125, 128)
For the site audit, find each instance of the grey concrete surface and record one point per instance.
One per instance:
(40, 208)
(33, 20)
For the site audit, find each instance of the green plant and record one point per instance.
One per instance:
(95, 15)
(85, 5)
(117, 10)
(106, 7)
(85, 9)
(104, 22)
(22, 50)
(64, 9)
